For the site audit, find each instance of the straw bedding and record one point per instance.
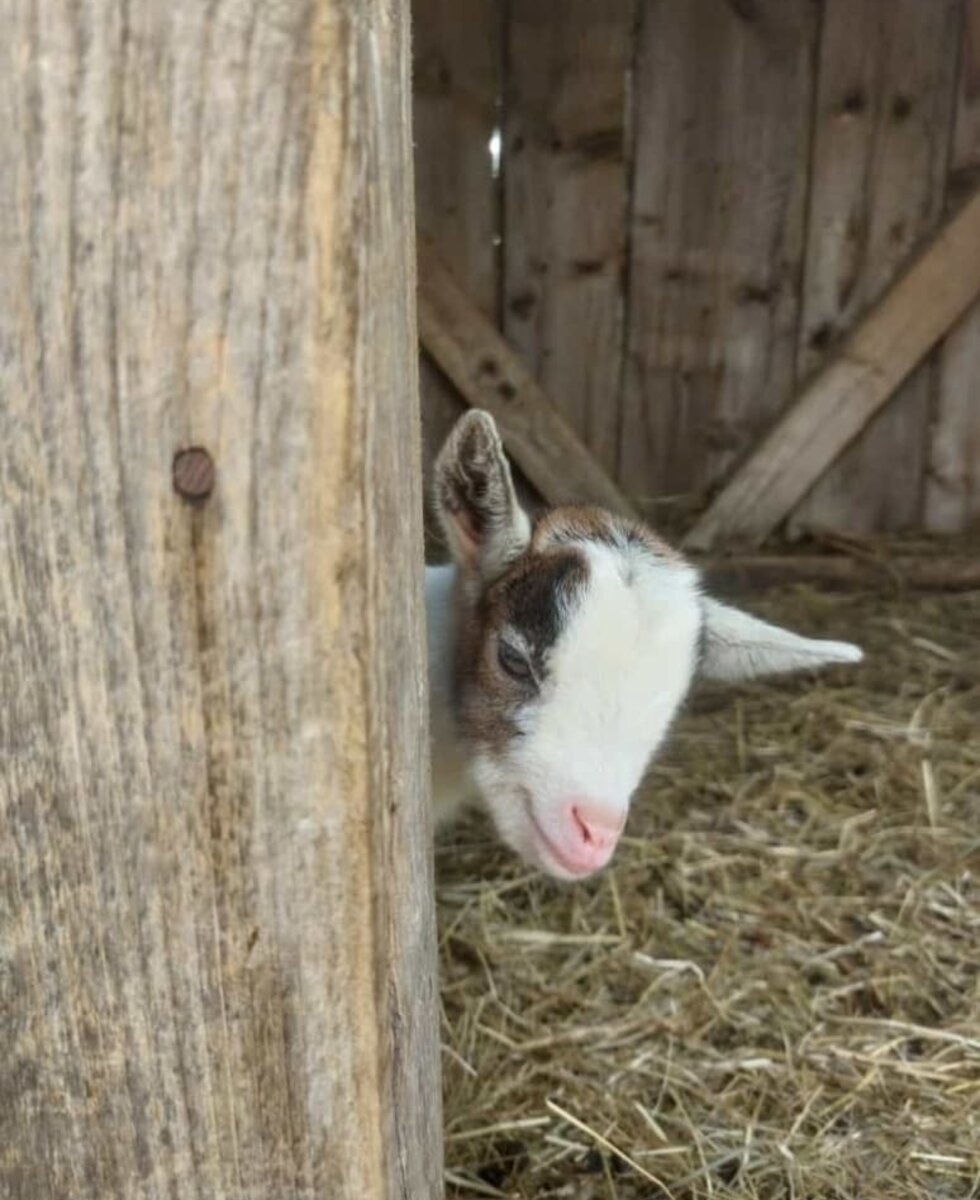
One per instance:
(775, 991)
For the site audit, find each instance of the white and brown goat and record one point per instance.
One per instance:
(559, 654)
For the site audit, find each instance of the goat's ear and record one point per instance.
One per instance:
(737, 646)
(475, 498)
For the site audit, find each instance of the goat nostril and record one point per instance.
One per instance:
(583, 828)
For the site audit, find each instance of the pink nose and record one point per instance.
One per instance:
(590, 831)
(599, 824)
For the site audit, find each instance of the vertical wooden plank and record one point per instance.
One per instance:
(722, 123)
(565, 188)
(965, 163)
(457, 51)
(884, 106)
(952, 494)
(217, 969)
(390, 643)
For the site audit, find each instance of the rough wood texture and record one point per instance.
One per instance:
(965, 164)
(491, 376)
(833, 409)
(457, 55)
(877, 189)
(722, 125)
(217, 972)
(785, 160)
(565, 205)
(952, 490)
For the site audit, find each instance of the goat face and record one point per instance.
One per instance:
(576, 643)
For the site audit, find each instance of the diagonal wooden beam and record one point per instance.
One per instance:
(489, 375)
(839, 402)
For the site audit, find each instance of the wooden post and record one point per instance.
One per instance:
(216, 939)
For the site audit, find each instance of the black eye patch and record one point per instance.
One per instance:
(540, 600)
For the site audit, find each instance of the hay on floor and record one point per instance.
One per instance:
(775, 992)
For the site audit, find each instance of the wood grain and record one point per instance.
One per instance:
(565, 205)
(457, 54)
(488, 373)
(834, 408)
(721, 149)
(217, 971)
(952, 484)
(885, 96)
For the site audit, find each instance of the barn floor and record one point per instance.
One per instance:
(775, 992)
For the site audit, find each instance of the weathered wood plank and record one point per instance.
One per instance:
(884, 106)
(833, 409)
(218, 960)
(965, 162)
(952, 490)
(457, 55)
(565, 193)
(488, 373)
(722, 126)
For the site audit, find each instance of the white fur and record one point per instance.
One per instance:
(614, 680)
(617, 676)
(618, 673)
(451, 782)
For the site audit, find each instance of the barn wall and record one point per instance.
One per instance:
(695, 201)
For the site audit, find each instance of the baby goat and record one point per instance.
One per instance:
(559, 654)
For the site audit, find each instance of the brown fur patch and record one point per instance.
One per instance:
(585, 523)
(532, 596)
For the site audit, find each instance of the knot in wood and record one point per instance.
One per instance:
(193, 474)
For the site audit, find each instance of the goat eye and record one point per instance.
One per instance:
(514, 663)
